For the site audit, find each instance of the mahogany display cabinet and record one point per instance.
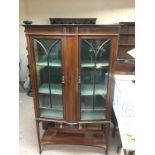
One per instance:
(70, 68)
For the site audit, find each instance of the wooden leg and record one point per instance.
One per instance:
(107, 137)
(128, 152)
(119, 148)
(113, 131)
(125, 152)
(38, 136)
(131, 152)
(114, 121)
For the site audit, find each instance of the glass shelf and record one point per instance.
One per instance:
(91, 110)
(54, 63)
(51, 113)
(98, 64)
(55, 89)
(92, 115)
(54, 107)
(87, 89)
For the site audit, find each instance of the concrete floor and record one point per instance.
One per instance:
(28, 137)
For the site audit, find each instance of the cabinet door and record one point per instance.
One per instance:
(48, 59)
(94, 70)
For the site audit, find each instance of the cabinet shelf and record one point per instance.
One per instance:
(55, 63)
(56, 89)
(89, 115)
(55, 108)
(49, 113)
(74, 136)
(98, 64)
(93, 110)
(87, 90)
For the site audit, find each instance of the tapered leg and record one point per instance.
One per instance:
(119, 148)
(113, 131)
(107, 137)
(114, 121)
(38, 136)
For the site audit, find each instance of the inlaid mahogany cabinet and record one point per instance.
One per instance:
(71, 67)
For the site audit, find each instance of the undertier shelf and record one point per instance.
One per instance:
(92, 137)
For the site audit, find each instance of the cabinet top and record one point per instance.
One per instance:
(72, 29)
(72, 25)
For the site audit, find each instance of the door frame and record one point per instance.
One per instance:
(33, 72)
(112, 58)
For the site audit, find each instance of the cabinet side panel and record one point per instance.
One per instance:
(32, 74)
(114, 49)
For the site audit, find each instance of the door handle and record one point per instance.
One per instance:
(63, 79)
(79, 80)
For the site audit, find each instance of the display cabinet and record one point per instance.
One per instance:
(71, 67)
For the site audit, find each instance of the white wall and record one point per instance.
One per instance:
(106, 11)
(22, 41)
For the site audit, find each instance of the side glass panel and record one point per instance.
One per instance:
(95, 55)
(49, 76)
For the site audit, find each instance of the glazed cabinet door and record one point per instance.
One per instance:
(49, 76)
(94, 58)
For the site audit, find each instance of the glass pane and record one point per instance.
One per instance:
(94, 77)
(49, 75)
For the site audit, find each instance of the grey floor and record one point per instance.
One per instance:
(28, 137)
